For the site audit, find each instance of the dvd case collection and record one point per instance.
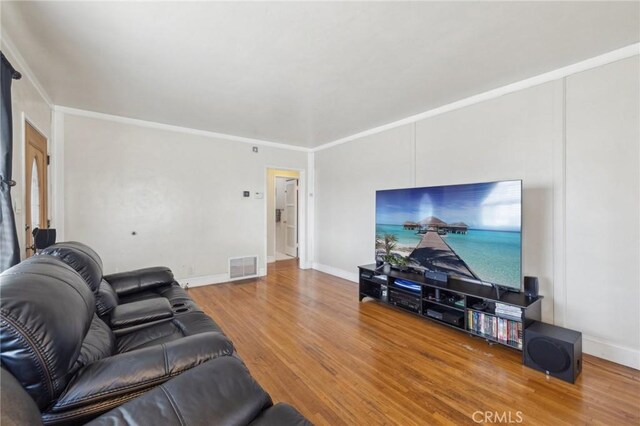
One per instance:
(508, 311)
(501, 329)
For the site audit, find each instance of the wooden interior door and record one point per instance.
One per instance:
(36, 184)
(291, 218)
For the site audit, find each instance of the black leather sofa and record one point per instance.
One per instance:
(218, 392)
(76, 361)
(143, 307)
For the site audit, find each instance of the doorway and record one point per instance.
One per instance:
(36, 193)
(286, 218)
(283, 241)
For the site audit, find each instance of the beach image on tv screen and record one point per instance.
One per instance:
(471, 231)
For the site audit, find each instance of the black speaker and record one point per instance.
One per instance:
(531, 286)
(43, 238)
(553, 350)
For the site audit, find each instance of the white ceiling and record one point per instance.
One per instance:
(300, 73)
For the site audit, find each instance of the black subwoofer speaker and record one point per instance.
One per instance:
(553, 350)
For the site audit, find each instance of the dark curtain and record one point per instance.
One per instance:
(9, 248)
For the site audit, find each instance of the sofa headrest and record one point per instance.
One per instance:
(80, 257)
(46, 309)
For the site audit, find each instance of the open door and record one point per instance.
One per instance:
(291, 218)
(36, 185)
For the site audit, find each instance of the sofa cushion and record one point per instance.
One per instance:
(98, 343)
(140, 280)
(195, 322)
(179, 326)
(218, 392)
(148, 336)
(124, 373)
(174, 293)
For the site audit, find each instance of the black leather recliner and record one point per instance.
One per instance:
(142, 307)
(158, 359)
(68, 360)
(120, 288)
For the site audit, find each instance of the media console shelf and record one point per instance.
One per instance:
(465, 306)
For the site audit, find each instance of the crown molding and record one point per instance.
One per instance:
(606, 58)
(20, 63)
(177, 129)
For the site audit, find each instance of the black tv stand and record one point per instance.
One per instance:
(490, 312)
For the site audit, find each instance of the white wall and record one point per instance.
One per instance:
(28, 104)
(603, 208)
(181, 194)
(346, 178)
(517, 136)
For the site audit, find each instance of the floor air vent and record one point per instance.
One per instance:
(243, 267)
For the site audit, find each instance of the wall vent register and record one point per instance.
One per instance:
(243, 267)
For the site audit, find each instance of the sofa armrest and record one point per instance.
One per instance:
(140, 369)
(141, 312)
(218, 392)
(139, 280)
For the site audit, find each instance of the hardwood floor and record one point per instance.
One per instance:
(308, 341)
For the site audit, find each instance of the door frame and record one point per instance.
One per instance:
(19, 196)
(303, 260)
(23, 195)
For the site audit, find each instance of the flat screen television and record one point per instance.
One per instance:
(470, 231)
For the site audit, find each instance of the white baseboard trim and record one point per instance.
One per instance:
(305, 265)
(271, 259)
(611, 352)
(203, 280)
(341, 273)
(215, 279)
